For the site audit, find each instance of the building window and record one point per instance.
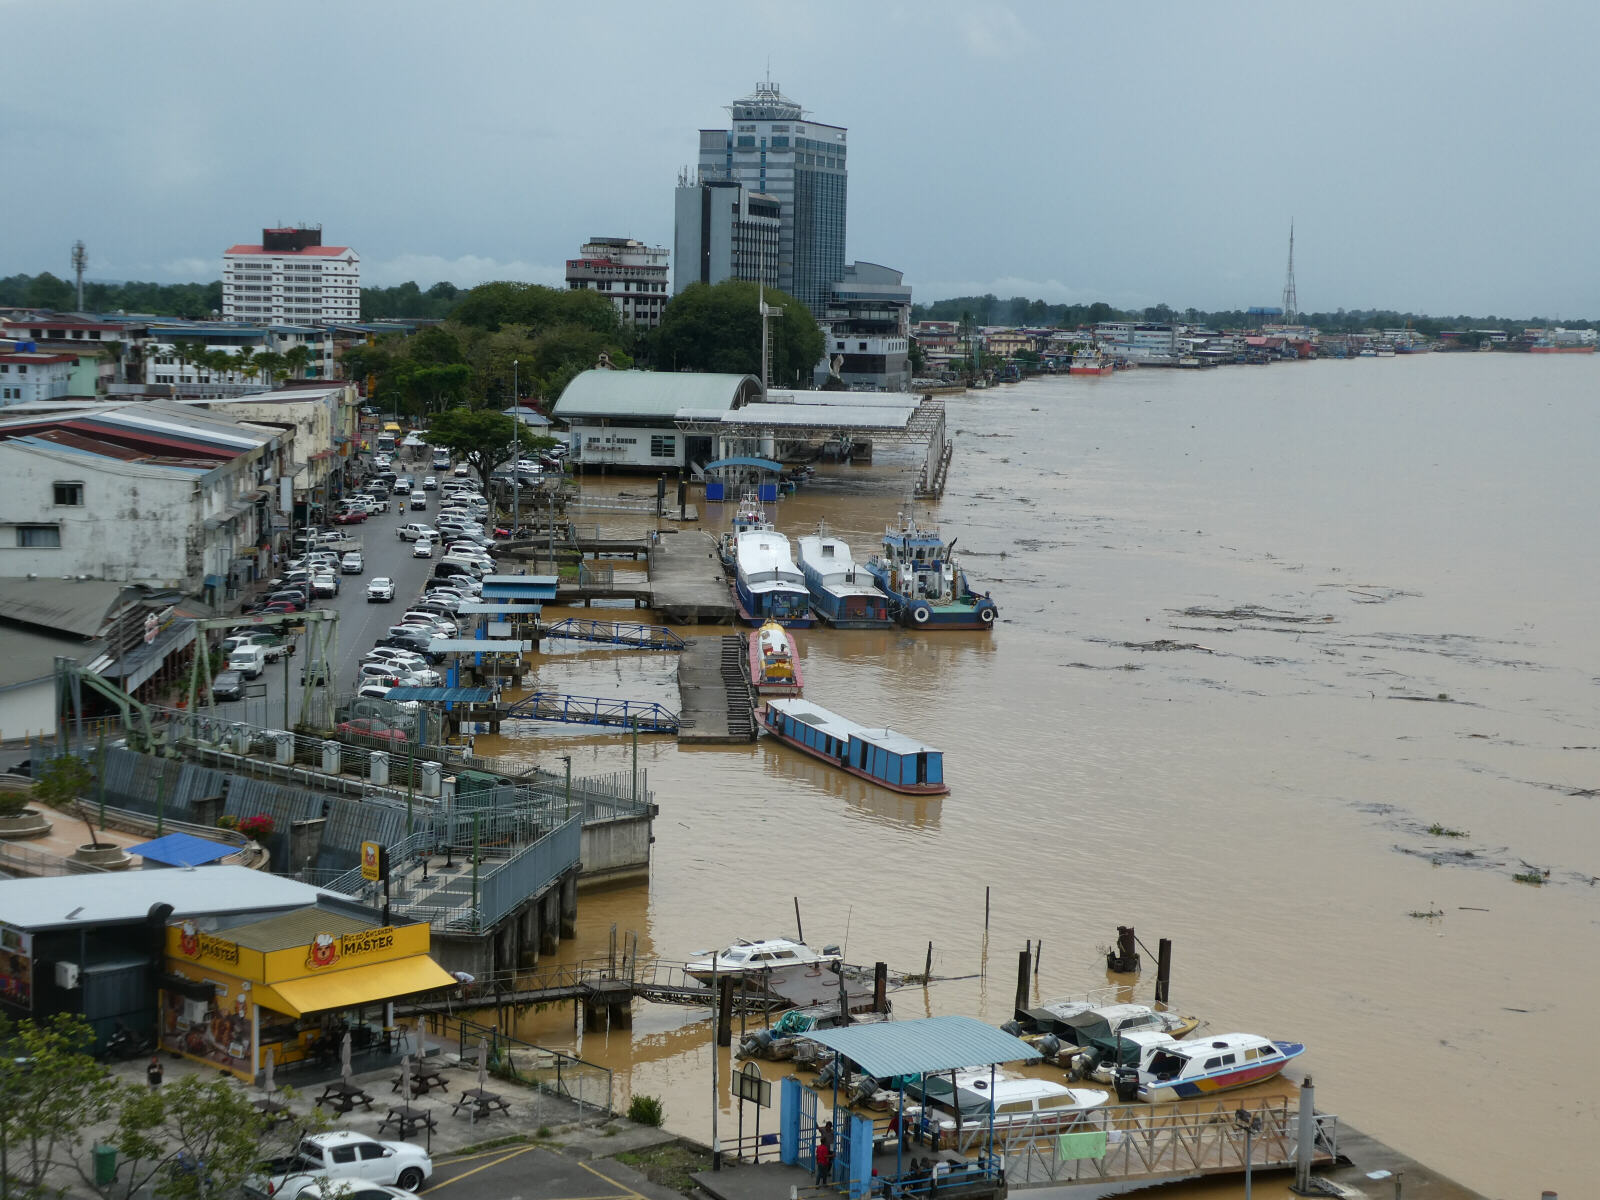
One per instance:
(39, 536)
(663, 445)
(69, 493)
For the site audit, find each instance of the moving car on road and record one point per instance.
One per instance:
(380, 589)
(352, 563)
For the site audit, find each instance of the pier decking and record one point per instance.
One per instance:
(688, 583)
(716, 704)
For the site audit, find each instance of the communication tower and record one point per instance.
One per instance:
(1291, 305)
(80, 261)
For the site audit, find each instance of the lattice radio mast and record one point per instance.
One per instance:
(1291, 304)
(80, 261)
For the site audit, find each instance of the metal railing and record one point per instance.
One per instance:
(588, 1084)
(25, 860)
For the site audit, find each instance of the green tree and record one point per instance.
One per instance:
(46, 291)
(273, 366)
(297, 358)
(51, 1093)
(481, 436)
(717, 327)
(244, 362)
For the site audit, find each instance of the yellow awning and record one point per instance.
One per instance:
(353, 986)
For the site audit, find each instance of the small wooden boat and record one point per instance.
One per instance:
(774, 662)
(879, 756)
(1187, 1070)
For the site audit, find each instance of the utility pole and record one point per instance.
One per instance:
(516, 452)
(80, 260)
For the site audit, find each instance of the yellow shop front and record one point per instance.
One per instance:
(294, 984)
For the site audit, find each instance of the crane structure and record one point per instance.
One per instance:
(1291, 303)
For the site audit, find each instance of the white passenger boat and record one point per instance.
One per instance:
(843, 593)
(1190, 1070)
(747, 956)
(767, 584)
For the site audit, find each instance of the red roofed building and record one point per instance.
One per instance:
(29, 376)
(290, 277)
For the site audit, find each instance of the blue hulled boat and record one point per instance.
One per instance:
(766, 582)
(917, 570)
(842, 594)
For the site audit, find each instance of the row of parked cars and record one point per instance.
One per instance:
(404, 656)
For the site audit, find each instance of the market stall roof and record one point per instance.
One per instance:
(182, 850)
(293, 929)
(919, 1047)
(354, 985)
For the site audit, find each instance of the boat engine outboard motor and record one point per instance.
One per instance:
(1048, 1046)
(866, 1086)
(825, 1076)
(1014, 1028)
(1126, 1081)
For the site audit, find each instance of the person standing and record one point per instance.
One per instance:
(824, 1156)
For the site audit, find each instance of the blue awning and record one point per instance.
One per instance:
(762, 464)
(921, 1047)
(182, 850)
(461, 695)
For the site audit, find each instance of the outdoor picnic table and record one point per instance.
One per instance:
(482, 1103)
(409, 1121)
(272, 1110)
(423, 1080)
(344, 1096)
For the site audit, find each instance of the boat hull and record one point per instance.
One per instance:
(907, 789)
(774, 684)
(1224, 1081)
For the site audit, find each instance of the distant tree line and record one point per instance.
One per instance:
(1019, 310)
(196, 301)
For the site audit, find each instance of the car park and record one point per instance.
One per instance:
(423, 548)
(352, 563)
(228, 685)
(343, 1161)
(380, 590)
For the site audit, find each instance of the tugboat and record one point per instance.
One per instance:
(926, 588)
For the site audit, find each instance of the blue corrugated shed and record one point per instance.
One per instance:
(462, 695)
(920, 1047)
(182, 850)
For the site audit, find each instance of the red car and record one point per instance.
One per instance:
(350, 516)
(367, 727)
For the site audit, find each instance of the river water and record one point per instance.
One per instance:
(1402, 551)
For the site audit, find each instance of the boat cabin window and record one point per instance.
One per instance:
(1164, 1065)
(1250, 1054)
(1015, 1106)
(1269, 1052)
(1064, 1100)
(782, 954)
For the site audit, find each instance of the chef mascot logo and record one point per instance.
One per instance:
(323, 952)
(189, 940)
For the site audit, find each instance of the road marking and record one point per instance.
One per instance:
(503, 1158)
(626, 1190)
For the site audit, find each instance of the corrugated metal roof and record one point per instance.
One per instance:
(658, 394)
(837, 416)
(481, 645)
(182, 850)
(918, 1047)
(76, 606)
(465, 695)
(80, 901)
(293, 929)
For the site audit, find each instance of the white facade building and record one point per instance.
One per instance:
(630, 274)
(27, 376)
(290, 276)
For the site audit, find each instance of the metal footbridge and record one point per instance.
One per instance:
(616, 633)
(646, 717)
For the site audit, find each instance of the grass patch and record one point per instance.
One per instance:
(670, 1165)
(1438, 830)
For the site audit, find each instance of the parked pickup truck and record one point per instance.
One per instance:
(342, 1155)
(415, 530)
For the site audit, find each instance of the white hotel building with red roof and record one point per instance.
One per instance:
(291, 277)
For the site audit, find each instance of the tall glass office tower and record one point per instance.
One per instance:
(774, 149)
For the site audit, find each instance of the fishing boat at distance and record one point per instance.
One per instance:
(926, 588)
(774, 662)
(881, 756)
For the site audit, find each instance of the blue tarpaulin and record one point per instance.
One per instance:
(182, 850)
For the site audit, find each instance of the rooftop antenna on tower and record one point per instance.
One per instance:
(80, 261)
(1291, 304)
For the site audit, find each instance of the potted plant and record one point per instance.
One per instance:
(61, 784)
(257, 828)
(17, 820)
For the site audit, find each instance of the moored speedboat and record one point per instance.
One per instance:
(1017, 1104)
(879, 756)
(842, 593)
(753, 957)
(1079, 1022)
(774, 662)
(1187, 1070)
(917, 570)
(766, 582)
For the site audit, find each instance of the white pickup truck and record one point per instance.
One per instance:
(342, 1156)
(411, 532)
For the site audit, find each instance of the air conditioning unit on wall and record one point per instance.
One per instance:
(194, 1012)
(66, 975)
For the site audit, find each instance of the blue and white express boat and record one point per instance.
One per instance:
(750, 514)
(917, 570)
(766, 582)
(842, 593)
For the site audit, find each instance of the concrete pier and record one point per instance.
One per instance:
(715, 703)
(687, 582)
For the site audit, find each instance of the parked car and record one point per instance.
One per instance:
(293, 597)
(350, 516)
(423, 548)
(228, 685)
(269, 641)
(325, 584)
(402, 659)
(462, 471)
(249, 661)
(372, 728)
(380, 589)
(352, 563)
(316, 674)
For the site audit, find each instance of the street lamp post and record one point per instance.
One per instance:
(1250, 1124)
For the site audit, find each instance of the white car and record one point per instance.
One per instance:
(345, 1155)
(380, 590)
(402, 484)
(422, 548)
(430, 483)
(352, 563)
(403, 660)
(325, 584)
(462, 471)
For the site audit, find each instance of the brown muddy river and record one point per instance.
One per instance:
(1381, 580)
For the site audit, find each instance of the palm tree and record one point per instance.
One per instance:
(220, 363)
(297, 358)
(273, 366)
(244, 362)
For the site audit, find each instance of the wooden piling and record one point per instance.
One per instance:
(725, 1010)
(1038, 957)
(800, 933)
(1024, 968)
(1124, 957)
(1163, 969)
(927, 968)
(986, 909)
(880, 987)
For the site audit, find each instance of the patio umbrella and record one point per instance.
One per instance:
(405, 1079)
(483, 1064)
(344, 1057)
(268, 1083)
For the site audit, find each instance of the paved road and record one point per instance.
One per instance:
(361, 623)
(530, 1173)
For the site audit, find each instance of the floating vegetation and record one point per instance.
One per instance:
(1428, 915)
(1536, 878)
(1164, 644)
(1254, 612)
(1438, 830)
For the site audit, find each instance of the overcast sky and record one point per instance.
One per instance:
(1435, 157)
